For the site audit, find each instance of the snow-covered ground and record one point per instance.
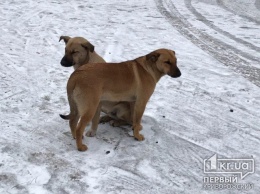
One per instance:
(213, 108)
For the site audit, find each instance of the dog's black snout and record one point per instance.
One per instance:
(65, 62)
(176, 73)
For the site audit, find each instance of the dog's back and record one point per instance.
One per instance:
(111, 80)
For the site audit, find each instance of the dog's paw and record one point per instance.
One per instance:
(82, 148)
(91, 133)
(139, 137)
(114, 123)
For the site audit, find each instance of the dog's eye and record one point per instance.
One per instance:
(73, 52)
(168, 62)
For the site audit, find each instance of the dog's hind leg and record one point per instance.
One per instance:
(73, 116)
(73, 124)
(84, 120)
(95, 121)
(87, 108)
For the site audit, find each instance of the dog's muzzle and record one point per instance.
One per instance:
(65, 62)
(176, 73)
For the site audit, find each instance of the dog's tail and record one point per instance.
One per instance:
(65, 117)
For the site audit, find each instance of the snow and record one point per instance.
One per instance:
(187, 119)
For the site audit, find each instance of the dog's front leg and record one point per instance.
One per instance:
(138, 111)
(95, 121)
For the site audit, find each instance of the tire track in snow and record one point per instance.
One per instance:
(150, 163)
(257, 4)
(119, 176)
(204, 96)
(210, 116)
(203, 19)
(178, 156)
(245, 124)
(221, 3)
(208, 44)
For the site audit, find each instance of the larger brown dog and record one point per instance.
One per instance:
(80, 51)
(132, 81)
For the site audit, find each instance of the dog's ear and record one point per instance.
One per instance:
(153, 57)
(65, 38)
(89, 46)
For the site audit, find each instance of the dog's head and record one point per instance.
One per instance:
(165, 61)
(76, 51)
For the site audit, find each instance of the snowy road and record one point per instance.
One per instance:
(212, 109)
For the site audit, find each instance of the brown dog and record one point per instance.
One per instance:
(80, 51)
(134, 81)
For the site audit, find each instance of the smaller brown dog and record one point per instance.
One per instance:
(131, 81)
(79, 51)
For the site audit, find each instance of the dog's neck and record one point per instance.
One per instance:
(91, 56)
(150, 68)
(76, 66)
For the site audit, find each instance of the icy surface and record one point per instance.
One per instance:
(212, 108)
